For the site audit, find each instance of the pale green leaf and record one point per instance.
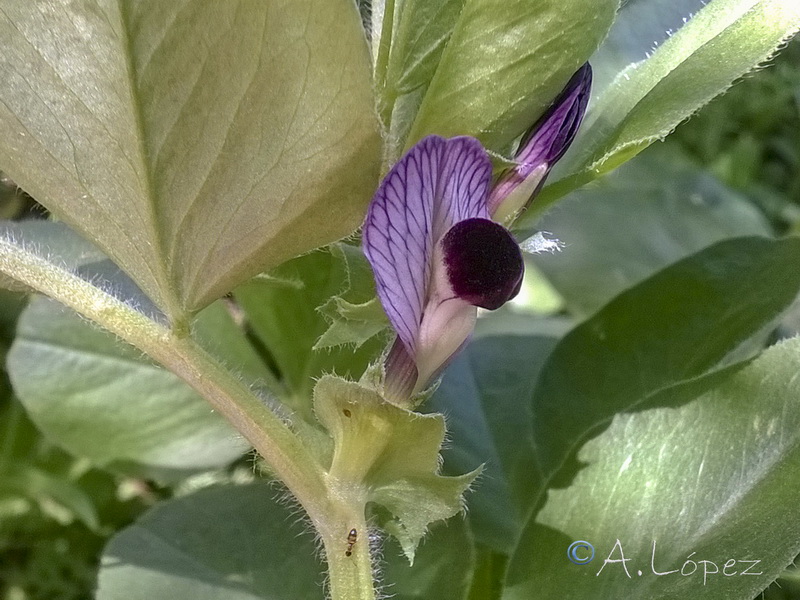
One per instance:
(647, 215)
(647, 99)
(42, 487)
(55, 242)
(231, 542)
(480, 394)
(101, 399)
(675, 326)
(679, 324)
(442, 569)
(505, 62)
(287, 319)
(352, 323)
(412, 47)
(393, 455)
(355, 315)
(196, 144)
(422, 30)
(639, 28)
(707, 472)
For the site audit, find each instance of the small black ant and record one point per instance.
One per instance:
(352, 538)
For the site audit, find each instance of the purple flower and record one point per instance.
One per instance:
(437, 256)
(541, 147)
(436, 253)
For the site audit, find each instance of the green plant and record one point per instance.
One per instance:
(208, 150)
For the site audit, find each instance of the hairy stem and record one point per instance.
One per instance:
(347, 551)
(382, 60)
(335, 508)
(228, 395)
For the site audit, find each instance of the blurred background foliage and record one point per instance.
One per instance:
(750, 139)
(56, 511)
(742, 151)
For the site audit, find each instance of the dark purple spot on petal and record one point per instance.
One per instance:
(484, 263)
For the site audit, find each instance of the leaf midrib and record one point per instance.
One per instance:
(161, 270)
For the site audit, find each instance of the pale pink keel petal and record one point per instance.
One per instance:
(476, 264)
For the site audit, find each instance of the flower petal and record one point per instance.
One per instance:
(445, 329)
(465, 178)
(484, 263)
(436, 184)
(542, 146)
(550, 137)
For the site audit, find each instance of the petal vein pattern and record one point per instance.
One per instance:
(435, 185)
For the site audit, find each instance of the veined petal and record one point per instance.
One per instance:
(542, 146)
(465, 178)
(401, 374)
(550, 137)
(438, 183)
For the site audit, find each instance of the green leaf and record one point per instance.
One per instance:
(232, 542)
(55, 242)
(415, 38)
(392, 456)
(480, 394)
(101, 399)
(650, 213)
(505, 62)
(196, 145)
(11, 305)
(287, 319)
(679, 324)
(354, 315)
(40, 484)
(439, 571)
(351, 323)
(42, 487)
(674, 326)
(423, 29)
(647, 100)
(706, 472)
(639, 28)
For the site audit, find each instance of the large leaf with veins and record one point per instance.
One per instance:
(196, 143)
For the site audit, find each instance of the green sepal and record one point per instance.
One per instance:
(389, 456)
(351, 323)
(354, 315)
(420, 503)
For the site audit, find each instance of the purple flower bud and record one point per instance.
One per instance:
(541, 147)
(436, 256)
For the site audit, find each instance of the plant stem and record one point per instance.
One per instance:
(335, 507)
(228, 395)
(382, 60)
(350, 576)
